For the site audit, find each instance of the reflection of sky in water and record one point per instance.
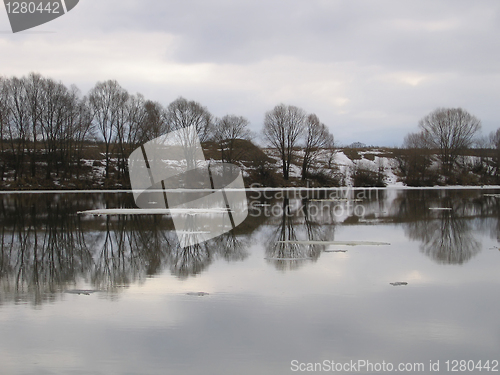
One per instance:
(258, 317)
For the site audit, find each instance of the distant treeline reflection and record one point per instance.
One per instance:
(47, 249)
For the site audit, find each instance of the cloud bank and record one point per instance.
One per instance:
(370, 70)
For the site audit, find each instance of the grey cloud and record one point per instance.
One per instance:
(406, 34)
(424, 35)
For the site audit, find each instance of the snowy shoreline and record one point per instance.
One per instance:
(277, 189)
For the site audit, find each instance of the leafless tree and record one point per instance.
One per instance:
(107, 102)
(154, 121)
(226, 131)
(416, 141)
(41, 122)
(129, 127)
(55, 122)
(82, 129)
(33, 87)
(482, 165)
(182, 113)
(18, 127)
(450, 130)
(283, 127)
(317, 138)
(140, 121)
(494, 140)
(4, 122)
(414, 161)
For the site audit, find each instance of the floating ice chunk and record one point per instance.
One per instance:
(199, 294)
(86, 292)
(192, 232)
(341, 243)
(154, 211)
(337, 200)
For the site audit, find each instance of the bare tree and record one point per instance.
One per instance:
(4, 121)
(55, 122)
(183, 114)
(482, 165)
(154, 121)
(193, 124)
(495, 144)
(129, 128)
(414, 161)
(226, 131)
(107, 102)
(40, 119)
(82, 129)
(33, 87)
(140, 121)
(17, 127)
(416, 141)
(450, 130)
(283, 127)
(495, 139)
(318, 137)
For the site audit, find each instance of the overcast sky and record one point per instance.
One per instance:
(369, 69)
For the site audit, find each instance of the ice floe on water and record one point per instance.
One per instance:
(337, 200)
(341, 243)
(154, 211)
(85, 292)
(399, 283)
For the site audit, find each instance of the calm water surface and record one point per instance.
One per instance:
(117, 295)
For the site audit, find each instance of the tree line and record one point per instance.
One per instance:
(48, 129)
(448, 149)
(41, 120)
(46, 126)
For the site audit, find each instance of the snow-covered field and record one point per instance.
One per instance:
(373, 160)
(345, 165)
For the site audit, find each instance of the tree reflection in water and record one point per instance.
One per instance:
(446, 236)
(447, 240)
(192, 260)
(47, 249)
(42, 249)
(297, 224)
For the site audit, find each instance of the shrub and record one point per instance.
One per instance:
(322, 178)
(352, 154)
(370, 157)
(366, 176)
